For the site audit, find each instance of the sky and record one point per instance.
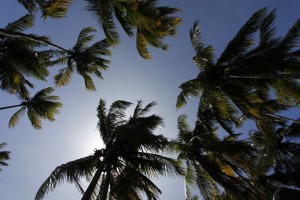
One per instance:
(36, 153)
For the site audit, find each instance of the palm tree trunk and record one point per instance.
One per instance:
(7, 107)
(89, 191)
(263, 76)
(106, 161)
(28, 37)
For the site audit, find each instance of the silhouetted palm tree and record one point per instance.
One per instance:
(240, 80)
(4, 155)
(121, 170)
(277, 163)
(151, 23)
(215, 166)
(41, 106)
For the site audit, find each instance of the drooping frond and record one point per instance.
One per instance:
(103, 12)
(64, 76)
(69, 172)
(16, 117)
(188, 89)
(141, 45)
(4, 155)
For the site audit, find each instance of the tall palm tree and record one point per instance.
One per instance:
(123, 168)
(150, 22)
(4, 155)
(239, 82)
(41, 106)
(215, 166)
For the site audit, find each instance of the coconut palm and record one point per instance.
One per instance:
(4, 155)
(41, 106)
(86, 60)
(239, 82)
(279, 153)
(214, 166)
(20, 60)
(151, 23)
(123, 168)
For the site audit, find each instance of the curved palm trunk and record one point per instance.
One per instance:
(7, 107)
(263, 76)
(28, 37)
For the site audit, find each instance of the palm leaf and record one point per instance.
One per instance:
(63, 77)
(84, 37)
(55, 8)
(141, 45)
(21, 24)
(243, 39)
(103, 12)
(16, 117)
(70, 172)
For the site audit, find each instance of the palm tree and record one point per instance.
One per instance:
(150, 22)
(85, 59)
(41, 106)
(123, 168)
(19, 59)
(215, 166)
(239, 82)
(4, 155)
(279, 153)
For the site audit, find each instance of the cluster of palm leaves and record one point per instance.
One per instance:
(143, 18)
(244, 83)
(131, 156)
(24, 57)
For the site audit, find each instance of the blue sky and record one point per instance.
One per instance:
(36, 153)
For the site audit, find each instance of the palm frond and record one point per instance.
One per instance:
(141, 45)
(188, 89)
(103, 12)
(69, 172)
(63, 77)
(243, 39)
(21, 24)
(84, 37)
(16, 117)
(55, 8)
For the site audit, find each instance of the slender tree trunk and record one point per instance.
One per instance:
(106, 161)
(263, 76)
(89, 191)
(7, 107)
(28, 37)
(104, 192)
